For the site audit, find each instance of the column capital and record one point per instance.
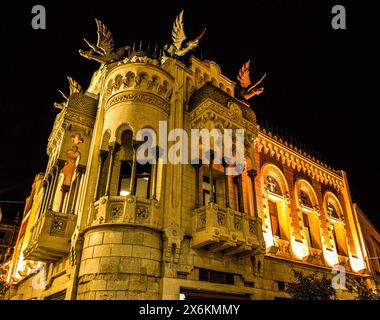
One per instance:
(136, 144)
(197, 165)
(252, 173)
(103, 154)
(65, 188)
(60, 164)
(225, 161)
(81, 168)
(113, 147)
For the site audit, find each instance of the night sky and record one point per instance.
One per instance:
(318, 86)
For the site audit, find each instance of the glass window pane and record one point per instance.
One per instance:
(124, 186)
(142, 186)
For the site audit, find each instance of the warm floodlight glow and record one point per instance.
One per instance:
(124, 193)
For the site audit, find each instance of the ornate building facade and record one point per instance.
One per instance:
(103, 226)
(371, 238)
(9, 229)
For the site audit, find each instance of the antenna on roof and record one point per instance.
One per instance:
(148, 48)
(155, 50)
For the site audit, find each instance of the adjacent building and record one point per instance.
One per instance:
(371, 238)
(9, 229)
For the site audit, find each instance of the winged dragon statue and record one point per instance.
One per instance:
(104, 53)
(246, 90)
(178, 48)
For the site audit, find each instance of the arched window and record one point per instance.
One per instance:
(143, 179)
(307, 201)
(206, 186)
(331, 211)
(339, 239)
(125, 155)
(335, 213)
(123, 168)
(272, 186)
(104, 160)
(58, 196)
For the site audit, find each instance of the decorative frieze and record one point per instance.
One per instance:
(284, 153)
(139, 97)
(129, 77)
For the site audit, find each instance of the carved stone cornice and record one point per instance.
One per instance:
(288, 156)
(139, 97)
(138, 77)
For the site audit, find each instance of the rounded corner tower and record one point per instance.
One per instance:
(122, 246)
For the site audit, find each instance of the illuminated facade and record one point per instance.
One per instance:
(371, 237)
(103, 226)
(9, 228)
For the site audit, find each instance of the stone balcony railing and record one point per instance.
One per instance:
(222, 229)
(50, 236)
(126, 210)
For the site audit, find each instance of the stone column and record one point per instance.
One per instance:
(102, 159)
(226, 186)
(211, 178)
(197, 167)
(135, 146)
(80, 170)
(113, 148)
(153, 174)
(58, 167)
(47, 186)
(65, 190)
(252, 174)
(52, 188)
(240, 192)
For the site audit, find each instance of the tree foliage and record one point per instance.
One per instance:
(359, 287)
(3, 287)
(310, 287)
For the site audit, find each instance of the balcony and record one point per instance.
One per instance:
(126, 210)
(50, 236)
(219, 229)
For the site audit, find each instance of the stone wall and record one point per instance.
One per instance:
(120, 262)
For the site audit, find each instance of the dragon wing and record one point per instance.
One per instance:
(105, 40)
(258, 82)
(194, 43)
(75, 87)
(243, 76)
(178, 32)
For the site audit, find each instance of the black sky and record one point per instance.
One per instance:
(318, 86)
